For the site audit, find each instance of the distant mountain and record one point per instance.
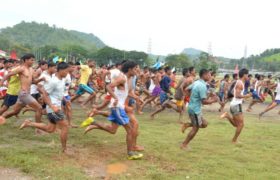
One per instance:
(37, 35)
(192, 52)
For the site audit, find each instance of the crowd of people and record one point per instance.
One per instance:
(121, 91)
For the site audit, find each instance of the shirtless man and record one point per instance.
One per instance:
(156, 78)
(25, 72)
(118, 115)
(237, 118)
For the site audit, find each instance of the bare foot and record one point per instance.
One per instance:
(25, 124)
(2, 120)
(139, 112)
(224, 115)
(249, 110)
(138, 148)
(184, 127)
(260, 115)
(152, 117)
(185, 147)
(73, 126)
(89, 128)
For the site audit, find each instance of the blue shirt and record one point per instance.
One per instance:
(165, 83)
(198, 93)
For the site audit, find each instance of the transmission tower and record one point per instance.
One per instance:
(244, 57)
(149, 50)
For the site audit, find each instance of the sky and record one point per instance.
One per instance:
(172, 25)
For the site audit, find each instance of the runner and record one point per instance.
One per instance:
(118, 115)
(237, 119)
(86, 72)
(25, 73)
(198, 97)
(53, 96)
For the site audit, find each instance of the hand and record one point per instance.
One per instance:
(248, 95)
(215, 99)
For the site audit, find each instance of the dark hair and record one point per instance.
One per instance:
(146, 67)
(213, 73)
(62, 66)
(128, 65)
(257, 76)
(42, 63)
(6, 61)
(70, 63)
(101, 65)
(185, 71)
(202, 72)
(160, 68)
(77, 64)
(124, 61)
(242, 72)
(226, 76)
(234, 75)
(167, 68)
(250, 75)
(27, 56)
(269, 76)
(191, 69)
(118, 64)
(51, 64)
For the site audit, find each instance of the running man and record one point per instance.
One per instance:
(53, 95)
(197, 99)
(86, 72)
(25, 72)
(237, 118)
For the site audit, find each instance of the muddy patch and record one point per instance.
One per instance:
(116, 168)
(13, 174)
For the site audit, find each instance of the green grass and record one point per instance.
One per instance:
(212, 156)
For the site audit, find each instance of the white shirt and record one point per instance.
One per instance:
(68, 82)
(47, 77)
(55, 89)
(114, 73)
(277, 91)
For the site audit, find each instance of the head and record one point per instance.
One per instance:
(269, 76)
(258, 77)
(243, 74)
(62, 69)
(51, 68)
(226, 77)
(71, 67)
(234, 76)
(8, 63)
(205, 75)
(28, 59)
(91, 63)
(192, 71)
(118, 65)
(213, 74)
(185, 72)
(167, 70)
(146, 69)
(250, 76)
(129, 68)
(43, 65)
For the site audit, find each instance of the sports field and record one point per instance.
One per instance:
(99, 155)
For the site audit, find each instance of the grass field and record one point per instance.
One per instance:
(99, 155)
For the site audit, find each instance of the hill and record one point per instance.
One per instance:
(192, 53)
(37, 35)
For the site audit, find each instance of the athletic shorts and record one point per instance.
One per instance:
(36, 96)
(180, 103)
(277, 101)
(108, 97)
(196, 119)
(156, 91)
(221, 96)
(131, 101)
(55, 117)
(236, 110)
(25, 98)
(118, 116)
(84, 88)
(66, 99)
(255, 95)
(10, 100)
(163, 97)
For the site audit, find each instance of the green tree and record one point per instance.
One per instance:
(178, 61)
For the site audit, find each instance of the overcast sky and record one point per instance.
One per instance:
(172, 25)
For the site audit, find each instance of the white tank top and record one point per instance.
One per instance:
(152, 86)
(121, 95)
(278, 91)
(236, 101)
